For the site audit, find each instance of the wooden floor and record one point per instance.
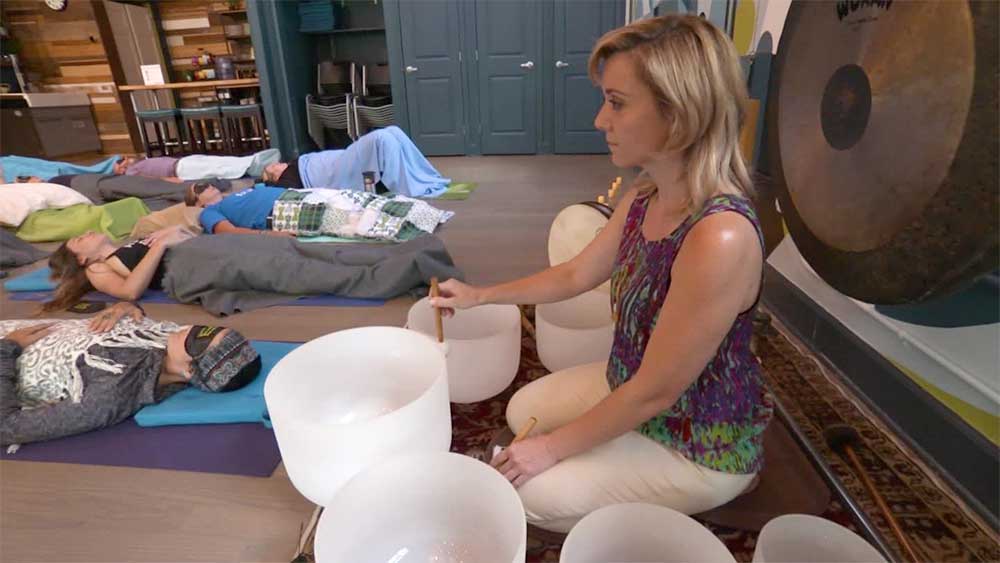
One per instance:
(61, 512)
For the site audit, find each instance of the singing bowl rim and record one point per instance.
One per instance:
(640, 511)
(274, 385)
(820, 527)
(426, 461)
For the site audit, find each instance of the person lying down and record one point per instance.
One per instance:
(65, 377)
(225, 273)
(291, 212)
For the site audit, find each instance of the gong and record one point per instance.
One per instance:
(883, 143)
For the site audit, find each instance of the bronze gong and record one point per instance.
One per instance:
(882, 143)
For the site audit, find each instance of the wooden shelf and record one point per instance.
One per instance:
(237, 37)
(230, 12)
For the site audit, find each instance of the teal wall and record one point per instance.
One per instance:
(287, 67)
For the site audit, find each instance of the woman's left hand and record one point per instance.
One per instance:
(109, 317)
(521, 461)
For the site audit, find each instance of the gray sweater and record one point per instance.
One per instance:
(108, 398)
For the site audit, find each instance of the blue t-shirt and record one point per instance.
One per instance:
(248, 209)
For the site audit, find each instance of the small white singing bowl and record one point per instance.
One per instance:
(574, 332)
(483, 347)
(801, 538)
(641, 532)
(354, 397)
(424, 507)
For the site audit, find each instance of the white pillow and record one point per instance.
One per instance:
(18, 200)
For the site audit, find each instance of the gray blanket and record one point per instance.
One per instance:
(156, 193)
(231, 273)
(14, 252)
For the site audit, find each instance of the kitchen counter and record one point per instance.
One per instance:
(48, 99)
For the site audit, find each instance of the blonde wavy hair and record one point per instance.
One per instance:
(693, 70)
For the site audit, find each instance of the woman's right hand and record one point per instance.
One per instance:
(169, 236)
(456, 295)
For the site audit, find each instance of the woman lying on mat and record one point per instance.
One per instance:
(59, 378)
(91, 261)
(198, 166)
(317, 211)
(677, 415)
(397, 163)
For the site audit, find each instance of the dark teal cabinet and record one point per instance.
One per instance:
(286, 63)
(497, 76)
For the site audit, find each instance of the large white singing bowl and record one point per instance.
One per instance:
(346, 400)
(641, 532)
(574, 332)
(431, 506)
(801, 538)
(484, 347)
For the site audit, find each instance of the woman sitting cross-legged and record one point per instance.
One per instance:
(676, 416)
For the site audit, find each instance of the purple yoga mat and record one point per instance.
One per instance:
(235, 449)
(158, 296)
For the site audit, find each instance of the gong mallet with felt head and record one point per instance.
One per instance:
(843, 439)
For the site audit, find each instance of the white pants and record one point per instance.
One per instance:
(630, 468)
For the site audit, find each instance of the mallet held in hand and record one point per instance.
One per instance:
(438, 324)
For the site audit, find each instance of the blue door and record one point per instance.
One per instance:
(578, 26)
(431, 46)
(508, 47)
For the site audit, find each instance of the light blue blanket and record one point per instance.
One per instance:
(14, 166)
(388, 152)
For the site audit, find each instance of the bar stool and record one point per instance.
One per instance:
(204, 130)
(244, 127)
(166, 141)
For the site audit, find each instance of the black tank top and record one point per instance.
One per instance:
(131, 254)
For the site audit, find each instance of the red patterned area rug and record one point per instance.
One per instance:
(942, 528)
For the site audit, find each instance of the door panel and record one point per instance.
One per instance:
(508, 39)
(578, 26)
(431, 44)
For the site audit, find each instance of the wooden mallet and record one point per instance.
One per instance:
(438, 324)
(525, 431)
(843, 439)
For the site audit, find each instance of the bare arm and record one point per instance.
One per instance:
(715, 277)
(587, 270)
(132, 286)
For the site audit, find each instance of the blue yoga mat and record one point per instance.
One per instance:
(36, 286)
(36, 280)
(193, 406)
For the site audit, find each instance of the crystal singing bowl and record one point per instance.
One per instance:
(429, 506)
(351, 398)
(574, 332)
(804, 538)
(641, 532)
(483, 347)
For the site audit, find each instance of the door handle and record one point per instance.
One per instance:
(560, 64)
(410, 69)
(528, 65)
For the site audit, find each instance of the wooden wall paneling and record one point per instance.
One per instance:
(65, 52)
(125, 107)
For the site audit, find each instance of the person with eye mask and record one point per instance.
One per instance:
(59, 378)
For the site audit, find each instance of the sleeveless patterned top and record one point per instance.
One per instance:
(719, 421)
